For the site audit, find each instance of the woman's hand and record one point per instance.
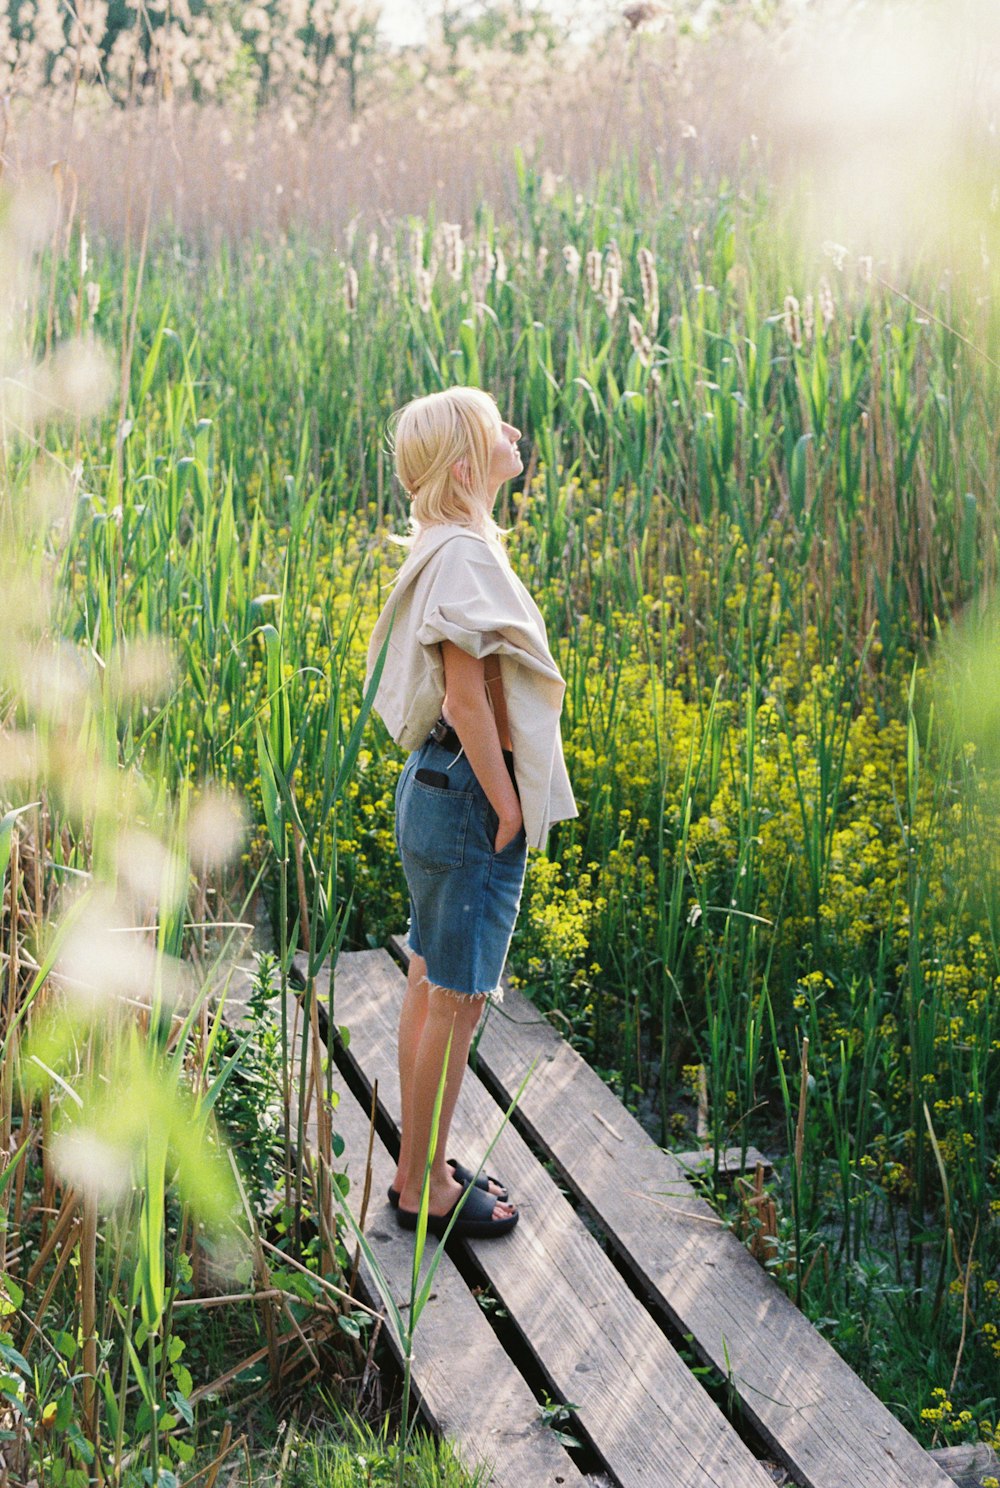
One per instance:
(508, 830)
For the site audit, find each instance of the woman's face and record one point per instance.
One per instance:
(505, 461)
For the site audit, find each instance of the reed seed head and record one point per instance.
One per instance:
(351, 289)
(454, 249)
(650, 289)
(611, 288)
(641, 344)
(792, 320)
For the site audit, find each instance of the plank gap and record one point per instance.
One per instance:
(677, 1424)
(586, 1456)
(727, 1401)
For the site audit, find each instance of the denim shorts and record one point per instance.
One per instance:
(464, 897)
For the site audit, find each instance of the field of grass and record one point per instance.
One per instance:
(758, 488)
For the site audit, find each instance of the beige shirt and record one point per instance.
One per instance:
(457, 586)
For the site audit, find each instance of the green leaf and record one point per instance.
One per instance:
(183, 1406)
(65, 1342)
(10, 1355)
(354, 741)
(566, 1439)
(6, 832)
(150, 1279)
(82, 1449)
(14, 1295)
(110, 1403)
(269, 794)
(153, 356)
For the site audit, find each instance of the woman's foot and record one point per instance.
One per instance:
(480, 1217)
(445, 1193)
(462, 1175)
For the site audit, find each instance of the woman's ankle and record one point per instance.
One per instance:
(443, 1192)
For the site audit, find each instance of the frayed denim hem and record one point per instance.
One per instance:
(495, 996)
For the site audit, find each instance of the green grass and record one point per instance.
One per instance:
(364, 1457)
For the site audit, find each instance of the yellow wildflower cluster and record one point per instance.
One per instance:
(943, 1413)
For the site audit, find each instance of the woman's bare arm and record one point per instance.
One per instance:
(469, 713)
(498, 702)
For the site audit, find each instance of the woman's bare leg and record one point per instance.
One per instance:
(412, 1018)
(445, 1016)
(411, 1026)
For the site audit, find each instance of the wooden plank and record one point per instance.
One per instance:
(643, 1410)
(455, 1349)
(819, 1418)
(968, 1466)
(732, 1160)
(469, 1389)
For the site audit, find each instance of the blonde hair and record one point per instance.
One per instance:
(434, 433)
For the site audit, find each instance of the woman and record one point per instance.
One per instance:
(470, 688)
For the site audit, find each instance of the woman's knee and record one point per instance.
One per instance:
(443, 1003)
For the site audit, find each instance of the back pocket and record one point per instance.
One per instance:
(433, 825)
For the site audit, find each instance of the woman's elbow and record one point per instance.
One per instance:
(467, 706)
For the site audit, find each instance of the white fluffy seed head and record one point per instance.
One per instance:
(106, 961)
(91, 1165)
(216, 829)
(571, 258)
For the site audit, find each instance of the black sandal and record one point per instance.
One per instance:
(475, 1222)
(464, 1176)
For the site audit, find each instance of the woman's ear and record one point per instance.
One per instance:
(461, 471)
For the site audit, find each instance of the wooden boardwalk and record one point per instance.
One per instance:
(587, 1287)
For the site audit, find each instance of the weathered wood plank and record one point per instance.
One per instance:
(821, 1421)
(968, 1466)
(731, 1160)
(643, 1410)
(455, 1349)
(469, 1389)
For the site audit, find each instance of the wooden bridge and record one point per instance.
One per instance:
(616, 1264)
